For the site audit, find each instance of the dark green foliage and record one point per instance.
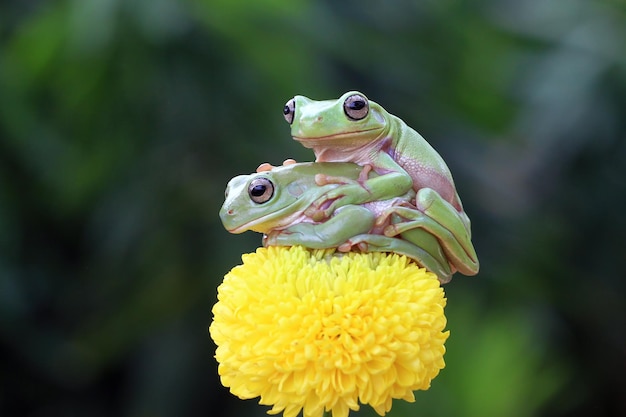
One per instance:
(121, 122)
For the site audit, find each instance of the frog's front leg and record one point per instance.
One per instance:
(382, 187)
(443, 221)
(345, 223)
(378, 243)
(325, 179)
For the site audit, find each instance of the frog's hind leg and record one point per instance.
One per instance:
(442, 220)
(378, 243)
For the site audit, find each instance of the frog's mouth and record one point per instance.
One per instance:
(333, 137)
(257, 225)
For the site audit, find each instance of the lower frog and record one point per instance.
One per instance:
(273, 201)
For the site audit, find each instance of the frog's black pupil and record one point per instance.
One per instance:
(257, 190)
(286, 110)
(357, 105)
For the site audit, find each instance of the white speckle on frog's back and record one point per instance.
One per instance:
(423, 163)
(434, 175)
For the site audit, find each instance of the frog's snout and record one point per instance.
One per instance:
(311, 121)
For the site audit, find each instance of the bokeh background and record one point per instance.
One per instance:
(121, 122)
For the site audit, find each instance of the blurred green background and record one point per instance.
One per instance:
(122, 121)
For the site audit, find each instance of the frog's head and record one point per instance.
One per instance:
(256, 202)
(347, 121)
(270, 200)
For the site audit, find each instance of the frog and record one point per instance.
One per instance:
(273, 201)
(355, 129)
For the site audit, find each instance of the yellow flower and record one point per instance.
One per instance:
(319, 331)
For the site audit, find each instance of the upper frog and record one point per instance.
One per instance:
(355, 129)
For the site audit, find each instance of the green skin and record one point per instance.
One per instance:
(392, 225)
(403, 159)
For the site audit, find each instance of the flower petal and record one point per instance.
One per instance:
(313, 330)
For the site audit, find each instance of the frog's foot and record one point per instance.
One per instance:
(349, 245)
(442, 220)
(378, 243)
(344, 195)
(347, 192)
(266, 166)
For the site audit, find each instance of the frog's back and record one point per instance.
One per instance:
(423, 163)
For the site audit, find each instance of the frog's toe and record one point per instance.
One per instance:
(345, 247)
(315, 213)
(391, 231)
(350, 244)
(264, 167)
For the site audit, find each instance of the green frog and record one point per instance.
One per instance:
(274, 201)
(355, 129)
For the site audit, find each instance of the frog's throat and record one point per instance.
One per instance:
(279, 220)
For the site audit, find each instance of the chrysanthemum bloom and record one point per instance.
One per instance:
(317, 331)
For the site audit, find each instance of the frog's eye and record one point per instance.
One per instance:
(289, 110)
(261, 190)
(356, 107)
